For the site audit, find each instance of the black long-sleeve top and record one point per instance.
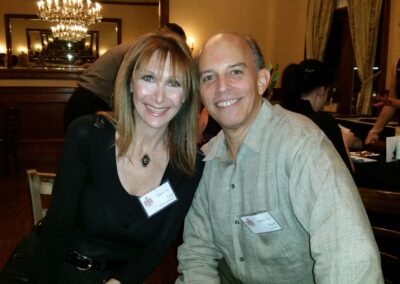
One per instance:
(328, 125)
(92, 213)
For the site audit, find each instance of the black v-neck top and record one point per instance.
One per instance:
(93, 214)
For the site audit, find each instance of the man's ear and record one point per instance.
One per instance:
(263, 80)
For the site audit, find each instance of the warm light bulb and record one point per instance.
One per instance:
(190, 41)
(3, 48)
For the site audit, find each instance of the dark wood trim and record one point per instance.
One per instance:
(135, 3)
(164, 12)
(12, 95)
(384, 44)
(26, 73)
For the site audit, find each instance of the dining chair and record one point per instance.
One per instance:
(41, 186)
(10, 137)
(383, 208)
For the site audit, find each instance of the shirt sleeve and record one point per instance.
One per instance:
(327, 204)
(198, 257)
(58, 224)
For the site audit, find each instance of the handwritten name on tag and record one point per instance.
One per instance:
(157, 199)
(261, 223)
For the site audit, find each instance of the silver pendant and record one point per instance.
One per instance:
(145, 160)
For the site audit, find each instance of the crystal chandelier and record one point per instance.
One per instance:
(71, 17)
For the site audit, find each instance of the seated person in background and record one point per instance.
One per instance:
(390, 104)
(126, 179)
(96, 84)
(276, 203)
(305, 88)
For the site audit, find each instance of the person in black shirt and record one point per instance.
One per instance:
(305, 88)
(126, 179)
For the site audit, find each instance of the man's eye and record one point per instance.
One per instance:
(236, 72)
(173, 83)
(148, 78)
(207, 78)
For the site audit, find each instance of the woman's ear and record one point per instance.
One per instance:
(264, 77)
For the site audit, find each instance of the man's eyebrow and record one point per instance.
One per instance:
(241, 64)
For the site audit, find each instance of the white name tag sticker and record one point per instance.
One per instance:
(261, 223)
(158, 199)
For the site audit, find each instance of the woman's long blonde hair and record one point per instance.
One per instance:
(182, 129)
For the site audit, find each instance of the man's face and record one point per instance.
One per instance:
(230, 85)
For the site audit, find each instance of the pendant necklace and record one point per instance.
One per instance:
(145, 160)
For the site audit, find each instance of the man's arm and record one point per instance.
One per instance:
(327, 203)
(386, 113)
(198, 257)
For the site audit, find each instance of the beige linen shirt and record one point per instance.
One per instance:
(287, 167)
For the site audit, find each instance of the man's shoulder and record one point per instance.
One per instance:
(287, 121)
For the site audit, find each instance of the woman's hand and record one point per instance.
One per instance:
(372, 137)
(348, 137)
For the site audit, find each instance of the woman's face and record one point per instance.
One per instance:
(157, 96)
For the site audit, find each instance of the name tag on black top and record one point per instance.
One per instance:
(158, 199)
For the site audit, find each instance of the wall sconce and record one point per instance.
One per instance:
(190, 42)
(38, 47)
(3, 48)
(22, 50)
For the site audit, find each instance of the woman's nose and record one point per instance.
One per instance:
(159, 94)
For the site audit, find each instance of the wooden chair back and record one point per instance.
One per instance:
(40, 185)
(383, 208)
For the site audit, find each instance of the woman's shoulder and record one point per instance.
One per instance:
(84, 125)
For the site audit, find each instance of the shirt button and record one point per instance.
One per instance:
(232, 185)
(241, 259)
(237, 222)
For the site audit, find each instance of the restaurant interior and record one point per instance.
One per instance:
(39, 72)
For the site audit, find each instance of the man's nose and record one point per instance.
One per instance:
(222, 84)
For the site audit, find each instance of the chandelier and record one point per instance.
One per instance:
(71, 17)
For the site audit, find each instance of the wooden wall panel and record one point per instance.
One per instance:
(41, 122)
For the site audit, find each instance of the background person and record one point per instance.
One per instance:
(276, 202)
(126, 179)
(390, 104)
(305, 88)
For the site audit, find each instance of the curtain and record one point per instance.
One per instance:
(319, 19)
(364, 26)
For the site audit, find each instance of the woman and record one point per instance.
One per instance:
(305, 89)
(126, 179)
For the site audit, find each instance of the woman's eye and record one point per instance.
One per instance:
(173, 83)
(148, 78)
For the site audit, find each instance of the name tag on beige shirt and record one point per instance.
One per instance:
(261, 223)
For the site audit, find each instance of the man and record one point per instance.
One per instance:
(276, 202)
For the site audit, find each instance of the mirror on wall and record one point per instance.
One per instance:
(32, 51)
(30, 43)
(45, 50)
